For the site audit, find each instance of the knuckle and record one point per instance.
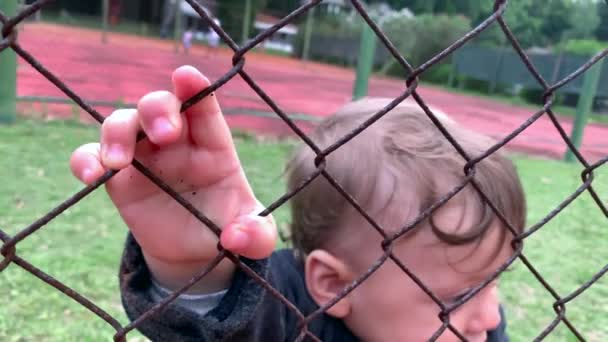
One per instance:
(157, 103)
(121, 117)
(93, 148)
(153, 96)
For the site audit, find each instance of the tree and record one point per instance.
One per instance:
(283, 7)
(471, 9)
(525, 19)
(602, 30)
(535, 23)
(395, 4)
(557, 19)
(231, 14)
(584, 21)
(420, 38)
(421, 6)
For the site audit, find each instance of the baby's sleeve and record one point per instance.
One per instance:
(500, 333)
(245, 311)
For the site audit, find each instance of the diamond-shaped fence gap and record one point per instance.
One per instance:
(293, 16)
(593, 296)
(512, 39)
(568, 77)
(63, 261)
(243, 105)
(280, 112)
(265, 180)
(521, 130)
(23, 205)
(99, 320)
(67, 63)
(390, 47)
(49, 249)
(29, 78)
(565, 136)
(525, 299)
(577, 335)
(51, 77)
(499, 10)
(251, 96)
(262, 125)
(87, 86)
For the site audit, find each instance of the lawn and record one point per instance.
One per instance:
(82, 247)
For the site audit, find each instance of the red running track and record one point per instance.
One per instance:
(129, 66)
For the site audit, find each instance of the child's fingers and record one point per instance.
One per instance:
(251, 236)
(118, 138)
(160, 118)
(85, 163)
(208, 128)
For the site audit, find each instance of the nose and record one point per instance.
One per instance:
(484, 311)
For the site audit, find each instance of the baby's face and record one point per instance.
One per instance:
(389, 306)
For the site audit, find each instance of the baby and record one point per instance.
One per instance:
(395, 169)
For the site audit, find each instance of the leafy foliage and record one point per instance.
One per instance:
(231, 15)
(422, 37)
(584, 47)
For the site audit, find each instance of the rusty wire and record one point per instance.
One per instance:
(9, 250)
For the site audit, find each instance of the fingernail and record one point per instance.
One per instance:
(116, 153)
(162, 127)
(86, 175)
(239, 239)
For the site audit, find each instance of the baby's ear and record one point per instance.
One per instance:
(326, 277)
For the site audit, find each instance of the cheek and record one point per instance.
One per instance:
(389, 306)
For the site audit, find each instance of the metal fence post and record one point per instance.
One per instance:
(8, 72)
(177, 32)
(365, 62)
(105, 12)
(584, 106)
(246, 21)
(310, 18)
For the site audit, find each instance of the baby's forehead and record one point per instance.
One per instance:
(421, 247)
(478, 259)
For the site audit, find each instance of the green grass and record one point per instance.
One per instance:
(82, 246)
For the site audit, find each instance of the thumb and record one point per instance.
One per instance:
(251, 236)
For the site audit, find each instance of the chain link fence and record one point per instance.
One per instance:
(8, 250)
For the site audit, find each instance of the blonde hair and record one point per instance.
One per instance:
(404, 152)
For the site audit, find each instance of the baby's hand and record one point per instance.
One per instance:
(194, 154)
